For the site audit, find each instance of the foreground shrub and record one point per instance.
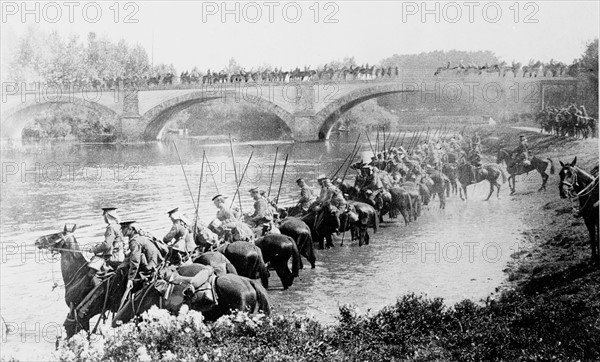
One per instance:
(559, 326)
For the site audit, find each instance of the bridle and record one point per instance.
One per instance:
(569, 187)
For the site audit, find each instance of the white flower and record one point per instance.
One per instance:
(143, 355)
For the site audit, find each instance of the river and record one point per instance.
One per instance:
(455, 253)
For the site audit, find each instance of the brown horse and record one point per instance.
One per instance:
(233, 292)
(576, 183)
(515, 168)
(74, 269)
(490, 172)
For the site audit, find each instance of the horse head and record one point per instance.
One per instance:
(58, 241)
(568, 179)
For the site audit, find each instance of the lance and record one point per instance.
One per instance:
(273, 172)
(384, 138)
(377, 142)
(237, 190)
(199, 189)
(184, 175)
(350, 163)
(281, 181)
(236, 176)
(350, 154)
(211, 173)
(370, 144)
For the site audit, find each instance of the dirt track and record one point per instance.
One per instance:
(556, 253)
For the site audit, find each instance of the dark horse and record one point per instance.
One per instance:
(277, 250)
(74, 269)
(247, 259)
(233, 292)
(300, 232)
(491, 173)
(515, 168)
(359, 217)
(575, 182)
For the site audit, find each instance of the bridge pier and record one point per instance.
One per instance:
(305, 129)
(131, 126)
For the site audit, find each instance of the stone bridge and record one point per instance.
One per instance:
(308, 109)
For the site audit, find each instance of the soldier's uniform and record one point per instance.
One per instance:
(109, 253)
(262, 212)
(144, 256)
(224, 214)
(179, 238)
(306, 196)
(522, 151)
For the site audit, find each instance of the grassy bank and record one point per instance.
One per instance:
(548, 310)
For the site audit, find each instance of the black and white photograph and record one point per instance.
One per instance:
(274, 181)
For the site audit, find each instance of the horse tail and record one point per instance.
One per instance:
(262, 301)
(551, 166)
(295, 259)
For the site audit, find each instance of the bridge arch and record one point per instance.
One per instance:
(16, 118)
(329, 115)
(157, 117)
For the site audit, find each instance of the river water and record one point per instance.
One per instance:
(455, 253)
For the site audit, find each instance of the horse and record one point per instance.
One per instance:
(575, 182)
(301, 233)
(357, 218)
(217, 261)
(489, 172)
(233, 292)
(74, 268)
(277, 249)
(406, 199)
(515, 168)
(247, 259)
(322, 225)
(440, 185)
(450, 170)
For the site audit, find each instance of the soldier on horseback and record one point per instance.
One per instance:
(144, 256)
(475, 161)
(262, 209)
(306, 196)
(180, 238)
(108, 254)
(521, 153)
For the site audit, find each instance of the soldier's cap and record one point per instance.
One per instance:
(217, 196)
(522, 136)
(106, 209)
(322, 177)
(254, 189)
(172, 211)
(300, 179)
(128, 223)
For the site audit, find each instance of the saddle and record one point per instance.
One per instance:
(197, 290)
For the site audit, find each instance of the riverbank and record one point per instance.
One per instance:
(548, 308)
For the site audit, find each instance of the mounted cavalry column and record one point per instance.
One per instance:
(301, 100)
(131, 127)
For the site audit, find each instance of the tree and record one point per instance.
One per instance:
(588, 75)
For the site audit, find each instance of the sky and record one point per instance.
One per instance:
(295, 34)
